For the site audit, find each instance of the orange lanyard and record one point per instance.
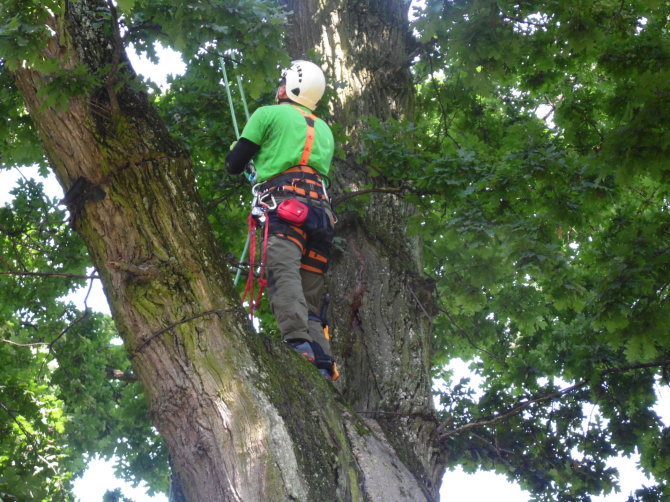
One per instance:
(310, 118)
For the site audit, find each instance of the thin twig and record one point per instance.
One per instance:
(124, 376)
(49, 274)
(31, 439)
(465, 335)
(146, 25)
(416, 298)
(499, 452)
(68, 328)
(523, 21)
(175, 324)
(632, 367)
(112, 79)
(425, 415)
(447, 123)
(225, 57)
(16, 344)
(443, 111)
(65, 330)
(12, 415)
(88, 293)
(346, 196)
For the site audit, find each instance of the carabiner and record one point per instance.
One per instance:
(267, 206)
(255, 189)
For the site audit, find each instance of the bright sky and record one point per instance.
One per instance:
(457, 486)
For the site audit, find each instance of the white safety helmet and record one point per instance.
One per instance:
(305, 83)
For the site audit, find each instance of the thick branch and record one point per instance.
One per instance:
(443, 434)
(515, 410)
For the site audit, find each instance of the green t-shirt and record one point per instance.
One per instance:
(281, 132)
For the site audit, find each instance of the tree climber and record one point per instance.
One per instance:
(292, 150)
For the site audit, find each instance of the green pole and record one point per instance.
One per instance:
(237, 136)
(230, 98)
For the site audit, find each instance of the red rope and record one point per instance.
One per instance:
(249, 287)
(262, 282)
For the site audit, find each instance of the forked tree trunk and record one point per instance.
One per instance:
(244, 418)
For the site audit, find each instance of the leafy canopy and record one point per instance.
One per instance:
(542, 169)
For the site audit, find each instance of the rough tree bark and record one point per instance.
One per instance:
(244, 418)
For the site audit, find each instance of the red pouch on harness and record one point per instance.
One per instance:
(293, 211)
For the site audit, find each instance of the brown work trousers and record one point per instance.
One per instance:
(295, 294)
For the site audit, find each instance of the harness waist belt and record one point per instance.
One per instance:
(301, 180)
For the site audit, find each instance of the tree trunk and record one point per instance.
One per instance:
(381, 300)
(244, 418)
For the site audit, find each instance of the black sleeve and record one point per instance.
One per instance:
(243, 151)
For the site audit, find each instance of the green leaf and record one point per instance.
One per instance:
(126, 5)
